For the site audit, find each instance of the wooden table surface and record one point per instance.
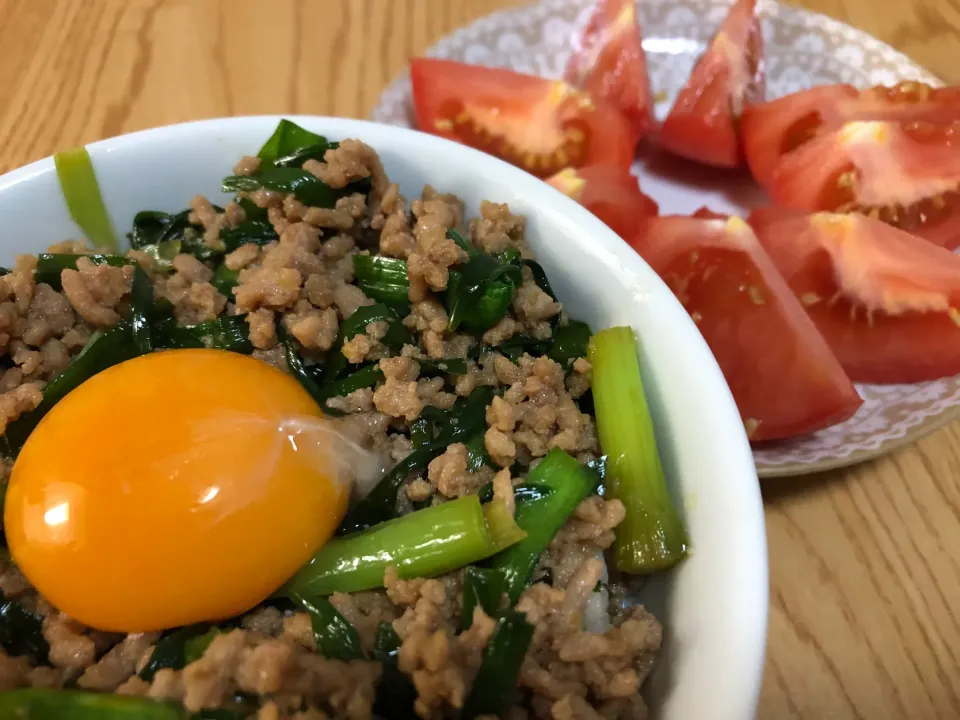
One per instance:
(865, 563)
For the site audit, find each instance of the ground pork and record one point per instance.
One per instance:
(353, 160)
(14, 403)
(498, 229)
(544, 414)
(588, 532)
(118, 664)
(429, 264)
(304, 279)
(195, 300)
(398, 397)
(70, 646)
(96, 290)
(534, 307)
(390, 218)
(449, 476)
(564, 661)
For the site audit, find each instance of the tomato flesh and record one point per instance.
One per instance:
(905, 175)
(609, 192)
(539, 125)
(780, 370)
(885, 300)
(773, 129)
(609, 62)
(703, 124)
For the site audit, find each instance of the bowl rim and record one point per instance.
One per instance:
(745, 671)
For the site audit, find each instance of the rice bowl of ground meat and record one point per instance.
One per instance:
(464, 326)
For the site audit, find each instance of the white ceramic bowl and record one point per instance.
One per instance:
(714, 606)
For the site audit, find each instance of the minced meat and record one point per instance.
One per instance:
(304, 279)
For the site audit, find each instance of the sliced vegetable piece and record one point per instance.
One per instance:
(496, 682)
(447, 366)
(652, 536)
(335, 637)
(56, 704)
(424, 543)
(229, 332)
(483, 588)
(225, 280)
(466, 418)
(356, 324)
(308, 188)
(704, 123)
(772, 129)
(171, 651)
(540, 125)
(248, 232)
(783, 375)
(396, 694)
(569, 342)
(288, 138)
(105, 349)
(523, 493)
(21, 632)
(569, 483)
(51, 265)
(141, 309)
(609, 192)
(480, 292)
(906, 175)
(162, 254)
(78, 183)
(363, 378)
(383, 279)
(196, 646)
(886, 301)
(151, 227)
(608, 62)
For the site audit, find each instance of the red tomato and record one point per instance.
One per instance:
(906, 175)
(609, 192)
(885, 300)
(772, 129)
(702, 125)
(783, 375)
(608, 62)
(540, 125)
(706, 213)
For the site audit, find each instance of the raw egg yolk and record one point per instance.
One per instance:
(177, 487)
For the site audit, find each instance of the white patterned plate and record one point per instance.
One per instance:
(803, 49)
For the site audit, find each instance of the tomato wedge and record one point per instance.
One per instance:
(783, 375)
(707, 214)
(609, 192)
(703, 124)
(906, 175)
(540, 125)
(772, 129)
(608, 62)
(885, 300)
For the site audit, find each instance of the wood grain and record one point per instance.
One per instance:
(865, 563)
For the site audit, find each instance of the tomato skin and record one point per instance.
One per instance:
(781, 372)
(609, 63)
(774, 128)
(609, 192)
(884, 299)
(908, 176)
(537, 124)
(706, 213)
(703, 124)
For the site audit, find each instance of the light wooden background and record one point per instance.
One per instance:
(865, 563)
